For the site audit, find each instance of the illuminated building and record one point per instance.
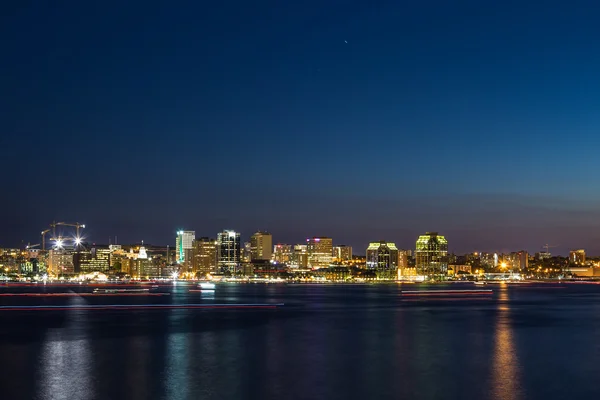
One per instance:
(60, 262)
(246, 252)
(320, 250)
(205, 256)
(577, 256)
(382, 257)
(261, 246)
(520, 260)
(543, 255)
(299, 257)
(458, 270)
(282, 253)
(430, 254)
(97, 259)
(342, 253)
(228, 250)
(183, 242)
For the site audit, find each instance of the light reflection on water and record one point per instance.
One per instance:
(66, 365)
(506, 369)
(334, 342)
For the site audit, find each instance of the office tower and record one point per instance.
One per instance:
(261, 246)
(184, 242)
(342, 253)
(229, 252)
(282, 253)
(97, 259)
(382, 257)
(205, 256)
(430, 254)
(320, 250)
(577, 256)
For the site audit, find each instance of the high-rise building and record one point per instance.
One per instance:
(261, 246)
(205, 256)
(183, 242)
(320, 250)
(342, 252)
(229, 252)
(299, 257)
(382, 257)
(577, 256)
(282, 253)
(431, 255)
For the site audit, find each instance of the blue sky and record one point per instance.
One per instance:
(356, 120)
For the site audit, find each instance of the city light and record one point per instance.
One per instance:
(77, 241)
(59, 243)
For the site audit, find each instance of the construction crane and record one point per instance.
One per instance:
(31, 246)
(44, 239)
(76, 225)
(548, 247)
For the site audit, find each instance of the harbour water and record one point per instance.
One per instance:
(260, 341)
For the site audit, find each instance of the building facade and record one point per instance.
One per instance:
(382, 257)
(205, 256)
(261, 246)
(282, 253)
(342, 253)
(431, 253)
(184, 243)
(60, 262)
(577, 256)
(320, 250)
(228, 251)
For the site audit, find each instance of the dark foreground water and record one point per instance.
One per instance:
(328, 342)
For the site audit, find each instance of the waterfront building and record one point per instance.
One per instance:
(431, 253)
(382, 258)
(97, 259)
(205, 256)
(60, 262)
(184, 244)
(458, 270)
(261, 246)
(228, 251)
(320, 250)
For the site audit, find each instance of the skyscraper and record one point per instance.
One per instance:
(382, 257)
(431, 255)
(261, 246)
(205, 256)
(183, 242)
(228, 248)
(320, 250)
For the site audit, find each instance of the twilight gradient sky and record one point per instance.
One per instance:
(477, 119)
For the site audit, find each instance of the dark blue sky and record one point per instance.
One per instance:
(477, 119)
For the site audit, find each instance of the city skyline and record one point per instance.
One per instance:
(66, 233)
(349, 119)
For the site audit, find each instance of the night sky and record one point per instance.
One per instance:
(359, 120)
